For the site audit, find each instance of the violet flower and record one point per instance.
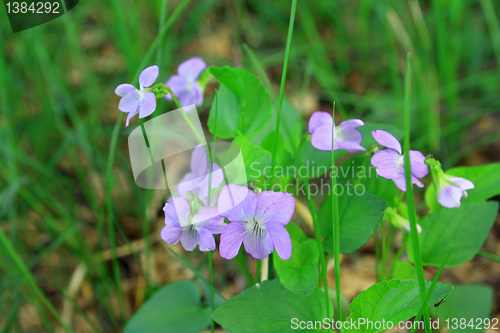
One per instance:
(449, 189)
(197, 180)
(138, 101)
(347, 136)
(191, 228)
(390, 162)
(184, 84)
(257, 220)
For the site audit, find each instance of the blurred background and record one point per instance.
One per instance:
(58, 110)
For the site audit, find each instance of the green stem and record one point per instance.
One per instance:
(317, 232)
(412, 214)
(212, 299)
(186, 118)
(257, 271)
(336, 223)
(282, 85)
(490, 256)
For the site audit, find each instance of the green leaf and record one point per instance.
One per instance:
(299, 274)
(244, 104)
(290, 129)
(392, 301)
(403, 271)
(257, 160)
(466, 301)
(269, 308)
(174, 308)
(359, 216)
(486, 179)
(460, 231)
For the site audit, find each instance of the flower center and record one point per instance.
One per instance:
(255, 228)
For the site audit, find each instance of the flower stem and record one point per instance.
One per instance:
(282, 85)
(211, 156)
(186, 118)
(335, 223)
(317, 232)
(412, 215)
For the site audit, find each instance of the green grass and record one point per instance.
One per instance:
(58, 110)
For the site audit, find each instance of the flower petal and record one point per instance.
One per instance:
(386, 139)
(177, 209)
(400, 181)
(130, 116)
(171, 233)
(258, 244)
(189, 239)
(231, 239)
(386, 162)
(322, 137)
(147, 104)
(148, 76)
(191, 68)
(449, 196)
(281, 239)
(236, 203)
(130, 102)
(207, 241)
(275, 207)
(208, 216)
(417, 162)
(199, 161)
(463, 183)
(320, 118)
(350, 146)
(178, 85)
(124, 89)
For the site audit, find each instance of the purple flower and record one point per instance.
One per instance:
(184, 84)
(450, 190)
(347, 136)
(191, 228)
(138, 101)
(197, 180)
(390, 162)
(257, 220)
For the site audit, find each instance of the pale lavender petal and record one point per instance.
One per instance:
(188, 97)
(124, 89)
(178, 84)
(177, 209)
(231, 239)
(171, 234)
(322, 137)
(386, 162)
(199, 161)
(191, 68)
(130, 102)
(417, 162)
(281, 239)
(386, 139)
(189, 183)
(189, 239)
(130, 116)
(147, 104)
(148, 76)
(400, 181)
(463, 183)
(320, 118)
(216, 181)
(274, 207)
(449, 196)
(208, 216)
(350, 124)
(350, 146)
(236, 203)
(258, 244)
(207, 241)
